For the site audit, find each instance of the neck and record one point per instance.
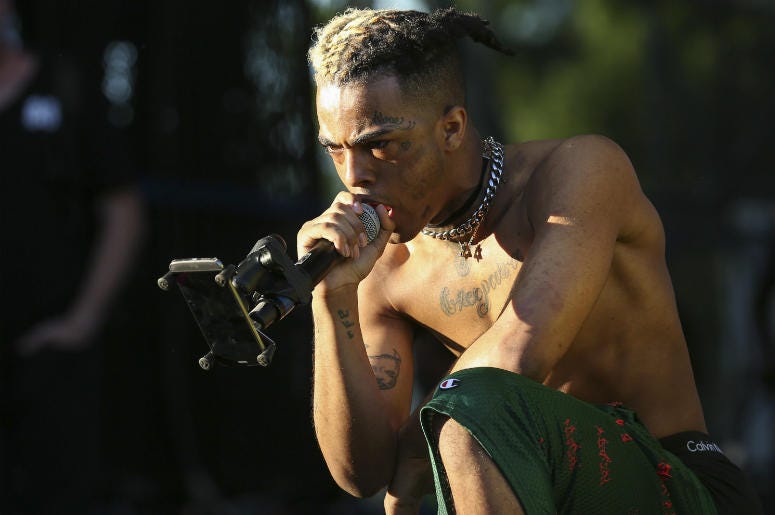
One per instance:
(474, 199)
(468, 227)
(473, 178)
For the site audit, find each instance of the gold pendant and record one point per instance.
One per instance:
(477, 252)
(465, 250)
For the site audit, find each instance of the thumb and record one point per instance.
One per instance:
(386, 226)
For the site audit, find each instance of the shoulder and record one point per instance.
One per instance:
(588, 177)
(591, 152)
(589, 164)
(582, 155)
(588, 157)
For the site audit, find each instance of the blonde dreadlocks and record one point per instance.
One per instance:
(418, 48)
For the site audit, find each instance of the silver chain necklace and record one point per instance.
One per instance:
(493, 152)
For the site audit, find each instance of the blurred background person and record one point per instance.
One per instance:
(72, 223)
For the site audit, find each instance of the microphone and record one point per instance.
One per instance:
(323, 256)
(276, 300)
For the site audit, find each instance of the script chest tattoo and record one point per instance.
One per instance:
(454, 301)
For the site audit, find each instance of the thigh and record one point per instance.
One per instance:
(475, 482)
(556, 453)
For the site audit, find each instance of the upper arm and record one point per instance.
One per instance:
(388, 338)
(580, 203)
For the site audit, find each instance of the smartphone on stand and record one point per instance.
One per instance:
(220, 311)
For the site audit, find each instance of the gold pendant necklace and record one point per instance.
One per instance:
(493, 151)
(465, 246)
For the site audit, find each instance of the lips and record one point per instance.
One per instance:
(375, 204)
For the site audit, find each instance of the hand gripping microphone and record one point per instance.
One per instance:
(278, 285)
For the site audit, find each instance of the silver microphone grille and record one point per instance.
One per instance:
(370, 222)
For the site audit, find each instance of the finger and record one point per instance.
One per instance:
(345, 198)
(348, 199)
(386, 227)
(328, 226)
(339, 224)
(341, 229)
(353, 212)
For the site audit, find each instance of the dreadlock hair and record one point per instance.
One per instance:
(418, 48)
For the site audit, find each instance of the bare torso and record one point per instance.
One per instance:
(630, 348)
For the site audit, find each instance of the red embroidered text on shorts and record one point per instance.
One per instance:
(605, 460)
(663, 470)
(573, 447)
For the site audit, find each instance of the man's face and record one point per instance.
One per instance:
(386, 150)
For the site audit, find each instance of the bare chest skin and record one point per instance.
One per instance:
(625, 352)
(630, 348)
(460, 298)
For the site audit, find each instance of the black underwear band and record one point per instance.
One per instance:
(689, 442)
(727, 484)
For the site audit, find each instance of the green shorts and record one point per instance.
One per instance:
(560, 454)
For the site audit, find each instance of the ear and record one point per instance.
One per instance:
(453, 124)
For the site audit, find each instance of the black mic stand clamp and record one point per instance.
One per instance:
(234, 307)
(272, 280)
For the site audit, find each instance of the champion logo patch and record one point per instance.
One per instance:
(449, 383)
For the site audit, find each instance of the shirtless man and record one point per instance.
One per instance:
(539, 265)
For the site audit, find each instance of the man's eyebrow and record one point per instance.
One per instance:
(325, 141)
(363, 138)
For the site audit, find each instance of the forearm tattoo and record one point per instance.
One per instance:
(386, 366)
(386, 369)
(452, 303)
(344, 319)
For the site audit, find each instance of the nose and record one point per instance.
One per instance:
(356, 171)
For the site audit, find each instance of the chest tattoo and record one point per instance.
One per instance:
(454, 301)
(462, 265)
